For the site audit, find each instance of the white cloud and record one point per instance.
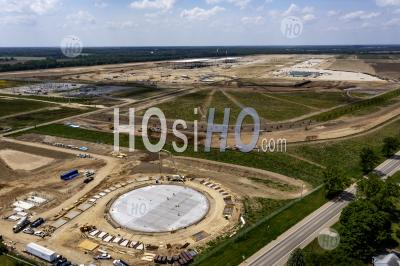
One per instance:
(309, 17)
(258, 20)
(81, 18)
(153, 4)
(332, 28)
(121, 25)
(38, 7)
(360, 14)
(392, 22)
(17, 20)
(239, 3)
(308, 9)
(100, 4)
(388, 2)
(198, 13)
(305, 13)
(366, 25)
(293, 8)
(333, 13)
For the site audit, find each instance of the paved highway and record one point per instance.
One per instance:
(389, 167)
(277, 252)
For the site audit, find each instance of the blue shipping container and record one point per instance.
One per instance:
(70, 175)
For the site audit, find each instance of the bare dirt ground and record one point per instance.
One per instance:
(387, 70)
(23, 161)
(352, 65)
(50, 186)
(45, 166)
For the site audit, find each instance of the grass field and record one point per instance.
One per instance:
(360, 107)
(257, 208)
(17, 261)
(345, 153)
(220, 102)
(271, 108)
(183, 107)
(7, 261)
(14, 106)
(320, 100)
(395, 177)
(40, 117)
(138, 92)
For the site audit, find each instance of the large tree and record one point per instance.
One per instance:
(364, 229)
(381, 193)
(296, 258)
(390, 146)
(335, 181)
(369, 160)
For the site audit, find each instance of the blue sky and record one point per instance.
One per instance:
(202, 22)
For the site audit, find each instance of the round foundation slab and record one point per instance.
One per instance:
(159, 208)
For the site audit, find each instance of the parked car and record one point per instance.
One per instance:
(103, 256)
(40, 234)
(120, 263)
(28, 231)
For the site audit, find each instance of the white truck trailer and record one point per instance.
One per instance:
(41, 252)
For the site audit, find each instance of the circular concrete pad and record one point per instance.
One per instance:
(159, 208)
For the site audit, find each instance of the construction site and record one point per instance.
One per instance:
(145, 208)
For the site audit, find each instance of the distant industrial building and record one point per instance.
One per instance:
(202, 62)
(304, 74)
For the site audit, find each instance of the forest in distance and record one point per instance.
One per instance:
(31, 58)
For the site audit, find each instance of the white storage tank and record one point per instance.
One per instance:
(41, 252)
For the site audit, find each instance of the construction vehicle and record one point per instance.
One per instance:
(21, 225)
(87, 228)
(119, 155)
(88, 180)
